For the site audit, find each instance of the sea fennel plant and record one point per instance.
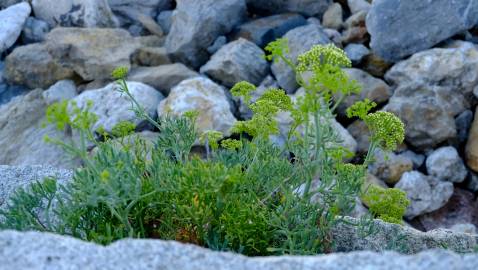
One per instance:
(247, 195)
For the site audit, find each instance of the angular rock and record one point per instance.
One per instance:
(62, 90)
(112, 107)
(80, 13)
(162, 78)
(471, 149)
(306, 7)
(461, 208)
(426, 194)
(358, 5)
(196, 26)
(403, 27)
(417, 159)
(372, 88)
(13, 19)
(218, 43)
(356, 52)
(386, 236)
(445, 164)
(300, 39)
(151, 56)
(34, 30)
(240, 60)
(164, 20)
(36, 250)
(14, 177)
(463, 124)
(464, 228)
(205, 97)
(389, 167)
(91, 53)
(436, 84)
(264, 30)
(21, 134)
(355, 29)
(375, 65)
(127, 10)
(333, 17)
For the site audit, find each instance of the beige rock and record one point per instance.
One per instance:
(471, 149)
(205, 97)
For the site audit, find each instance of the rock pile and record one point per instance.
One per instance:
(417, 60)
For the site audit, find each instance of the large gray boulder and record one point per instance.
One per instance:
(436, 84)
(81, 13)
(300, 39)
(306, 7)
(403, 27)
(14, 177)
(240, 60)
(112, 106)
(445, 164)
(35, 250)
(197, 24)
(22, 135)
(13, 19)
(426, 193)
(91, 53)
(163, 77)
(204, 96)
(264, 30)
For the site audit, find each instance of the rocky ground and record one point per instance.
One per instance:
(418, 60)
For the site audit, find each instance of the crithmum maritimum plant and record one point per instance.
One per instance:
(248, 195)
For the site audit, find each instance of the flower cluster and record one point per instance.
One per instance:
(321, 55)
(277, 49)
(211, 137)
(243, 89)
(123, 128)
(388, 204)
(119, 73)
(231, 144)
(386, 128)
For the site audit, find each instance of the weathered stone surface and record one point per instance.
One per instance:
(163, 77)
(461, 208)
(218, 43)
(62, 90)
(197, 24)
(151, 56)
(306, 7)
(204, 96)
(445, 164)
(81, 13)
(240, 60)
(21, 134)
(464, 228)
(386, 236)
(400, 28)
(13, 19)
(359, 130)
(426, 194)
(355, 29)
(437, 85)
(389, 166)
(164, 20)
(301, 39)
(91, 53)
(333, 17)
(463, 124)
(35, 250)
(373, 89)
(417, 159)
(264, 30)
(358, 5)
(471, 149)
(34, 30)
(14, 177)
(356, 52)
(128, 11)
(112, 107)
